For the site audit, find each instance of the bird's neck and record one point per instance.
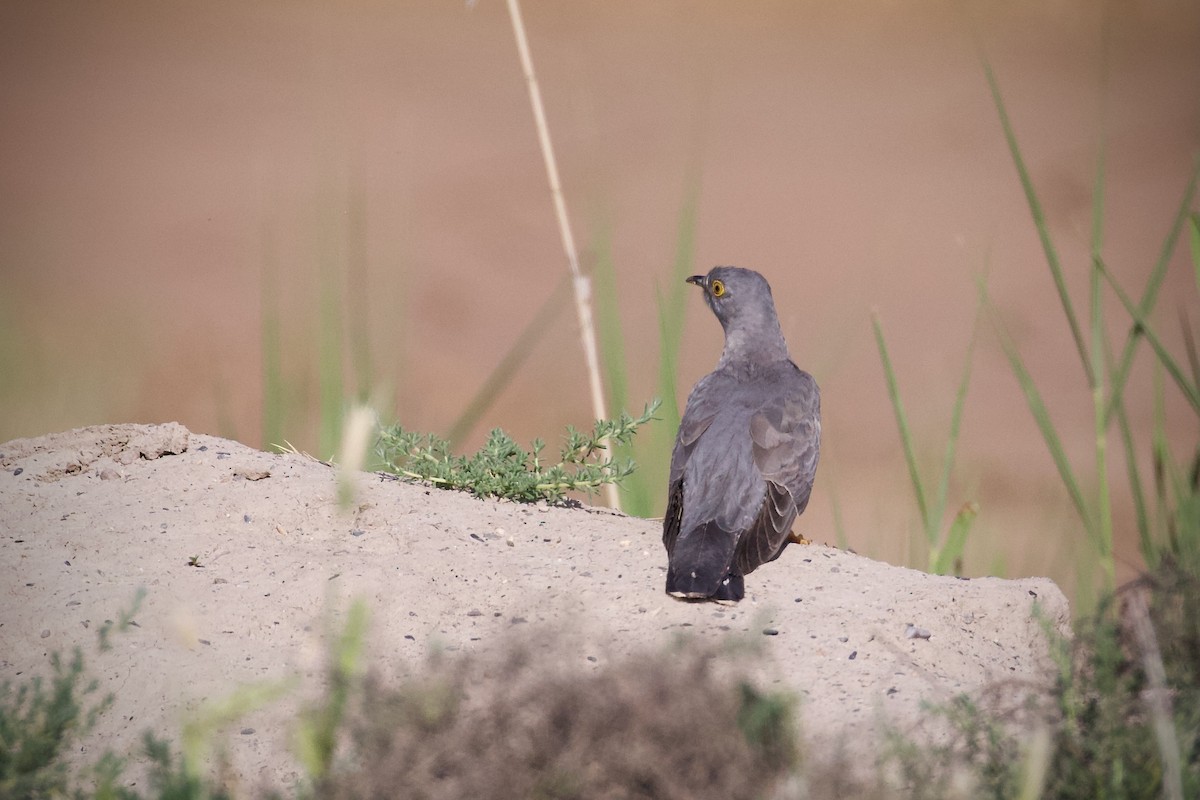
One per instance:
(758, 345)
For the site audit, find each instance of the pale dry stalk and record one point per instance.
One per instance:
(582, 285)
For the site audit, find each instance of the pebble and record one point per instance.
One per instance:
(46, 633)
(474, 612)
(913, 632)
(109, 474)
(853, 654)
(770, 632)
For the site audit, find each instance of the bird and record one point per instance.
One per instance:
(746, 453)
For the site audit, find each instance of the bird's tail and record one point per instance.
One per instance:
(700, 562)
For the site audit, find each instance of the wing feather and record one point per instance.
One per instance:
(786, 437)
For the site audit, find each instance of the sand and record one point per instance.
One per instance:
(248, 562)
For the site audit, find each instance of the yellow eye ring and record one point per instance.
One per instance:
(717, 288)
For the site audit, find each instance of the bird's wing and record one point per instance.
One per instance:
(702, 407)
(786, 439)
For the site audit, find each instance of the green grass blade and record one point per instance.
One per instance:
(1189, 346)
(1194, 241)
(1041, 416)
(672, 306)
(636, 490)
(910, 457)
(1154, 283)
(829, 480)
(1189, 390)
(330, 377)
(1039, 217)
(672, 309)
(608, 323)
(1141, 514)
(498, 380)
(1099, 344)
(358, 297)
(274, 410)
(960, 397)
(956, 540)
(1189, 341)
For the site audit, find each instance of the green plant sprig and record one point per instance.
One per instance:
(502, 468)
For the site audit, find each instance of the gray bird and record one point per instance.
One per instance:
(746, 453)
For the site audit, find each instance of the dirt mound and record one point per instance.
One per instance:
(247, 560)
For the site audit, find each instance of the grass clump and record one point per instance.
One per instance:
(680, 723)
(502, 468)
(1120, 717)
(1107, 373)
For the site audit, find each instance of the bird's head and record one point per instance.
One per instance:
(739, 297)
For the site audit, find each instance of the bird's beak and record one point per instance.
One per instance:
(697, 280)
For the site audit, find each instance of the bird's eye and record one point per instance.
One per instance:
(717, 288)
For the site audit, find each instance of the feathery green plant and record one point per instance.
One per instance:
(945, 553)
(502, 468)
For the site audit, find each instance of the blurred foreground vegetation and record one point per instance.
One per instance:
(1119, 716)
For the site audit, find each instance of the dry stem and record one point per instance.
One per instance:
(583, 287)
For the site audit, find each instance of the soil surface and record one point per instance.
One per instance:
(248, 562)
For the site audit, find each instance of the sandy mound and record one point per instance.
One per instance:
(88, 516)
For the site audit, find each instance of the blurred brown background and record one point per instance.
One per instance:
(157, 160)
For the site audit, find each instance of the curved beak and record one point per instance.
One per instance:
(697, 280)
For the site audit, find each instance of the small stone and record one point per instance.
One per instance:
(853, 654)
(509, 541)
(46, 633)
(357, 532)
(770, 632)
(109, 474)
(247, 731)
(245, 517)
(18, 471)
(474, 612)
(913, 632)
(843, 639)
